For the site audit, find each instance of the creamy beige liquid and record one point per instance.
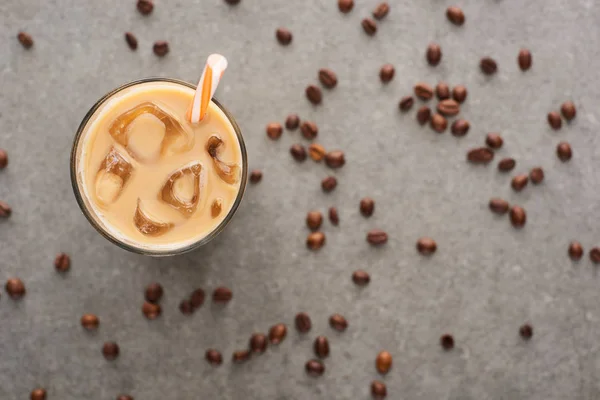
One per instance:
(153, 179)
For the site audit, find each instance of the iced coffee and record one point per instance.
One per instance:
(149, 179)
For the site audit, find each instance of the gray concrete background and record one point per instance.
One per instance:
(485, 280)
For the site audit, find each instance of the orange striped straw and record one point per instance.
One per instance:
(216, 64)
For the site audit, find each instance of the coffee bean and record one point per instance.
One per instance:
(448, 107)
(258, 343)
(438, 123)
(488, 66)
(383, 362)
(277, 333)
(426, 246)
(197, 298)
(386, 73)
(442, 90)
(377, 237)
(38, 394)
(316, 152)
(62, 262)
(575, 251)
(369, 26)
(361, 278)
(433, 54)
(498, 206)
(595, 255)
(480, 155)
(154, 292)
(519, 182)
(274, 130)
(314, 219)
(447, 342)
(90, 322)
(563, 151)
(315, 240)
(536, 175)
(423, 91)
(222, 295)
(338, 322)
(459, 93)
(314, 94)
(161, 48)
(25, 39)
(423, 115)
(240, 356)
(506, 164)
(145, 7)
(3, 159)
(284, 36)
(381, 11)
(406, 103)
(186, 307)
(124, 397)
(15, 288)
(460, 127)
(5, 210)
(378, 390)
(328, 78)
(524, 59)
(455, 15)
(494, 140)
(255, 176)
(314, 368)
(151, 311)
(526, 331)
(303, 322)
(298, 152)
(232, 2)
(328, 184)
(335, 159)
(568, 110)
(367, 206)
(518, 217)
(345, 6)
(321, 347)
(110, 350)
(292, 122)
(333, 216)
(554, 120)
(213, 357)
(131, 40)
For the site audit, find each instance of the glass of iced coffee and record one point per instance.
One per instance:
(149, 180)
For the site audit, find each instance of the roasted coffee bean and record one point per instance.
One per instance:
(131, 40)
(367, 206)
(110, 350)
(3, 159)
(499, 206)
(494, 140)
(255, 176)
(309, 130)
(5, 210)
(433, 54)
(303, 322)
(240, 356)
(448, 107)
(314, 219)
(455, 15)
(506, 164)
(153, 292)
(197, 298)
(284, 36)
(315, 240)
(277, 333)
(213, 357)
(124, 397)
(383, 362)
(222, 295)
(38, 394)
(423, 91)
(345, 6)
(386, 73)
(459, 93)
(25, 39)
(328, 78)
(406, 103)
(381, 10)
(554, 120)
(361, 278)
(328, 184)
(335, 159)
(151, 311)
(62, 262)
(338, 322)
(426, 246)
(292, 122)
(447, 342)
(518, 217)
(488, 66)
(186, 307)
(314, 94)
(258, 343)
(274, 130)
(90, 322)
(298, 152)
(378, 390)
(377, 237)
(145, 7)
(524, 59)
(519, 182)
(321, 347)
(460, 127)
(161, 48)
(480, 155)
(563, 151)
(369, 26)
(568, 110)
(536, 175)
(314, 368)
(232, 2)
(442, 90)
(575, 251)
(423, 115)
(333, 216)
(15, 288)
(595, 255)
(438, 123)
(526, 331)
(316, 152)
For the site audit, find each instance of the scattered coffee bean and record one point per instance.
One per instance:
(62, 262)
(309, 130)
(258, 343)
(329, 184)
(255, 176)
(277, 333)
(426, 246)
(488, 66)
(378, 390)
(367, 206)
(423, 91)
(345, 6)
(369, 26)
(213, 357)
(197, 298)
(575, 251)
(240, 356)
(321, 347)
(314, 368)
(15, 288)
(526, 331)
(110, 350)
(274, 130)
(460, 127)
(563, 151)
(423, 115)
(292, 122)
(595, 255)
(383, 362)
(314, 94)
(284, 36)
(316, 152)
(480, 155)
(494, 140)
(335, 159)
(438, 123)
(328, 78)
(153, 292)
(161, 48)
(447, 342)
(568, 110)
(38, 394)
(333, 216)
(232, 2)
(433, 54)
(386, 73)
(315, 240)
(448, 107)
(519, 182)
(498, 206)
(406, 103)
(314, 219)
(186, 307)
(303, 322)
(377, 237)
(222, 295)
(338, 322)
(455, 15)
(5, 210)
(25, 39)
(381, 11)
(536, 175)
(145, 7)
(361, 278)
(459, 93)
(506, 164)
(3, 159)
(524, 59)
(131, 40)
(518, 217)
(442, 90)
(298, 152)
(124, 397)
(554, 120)
(151, 311)
(90, 322)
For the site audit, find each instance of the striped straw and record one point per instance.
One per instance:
(209, 80)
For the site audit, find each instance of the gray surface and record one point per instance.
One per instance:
(485, 280)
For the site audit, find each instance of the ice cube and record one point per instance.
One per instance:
(228, 172)
(147, 225)
(216, 206)
(112, 176)
(145, 137)
(182, 189)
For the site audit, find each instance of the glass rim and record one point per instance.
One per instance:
(142, 250)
